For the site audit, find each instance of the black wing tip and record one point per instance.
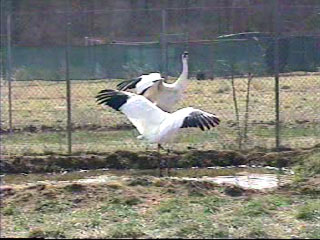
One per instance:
(128, 84)
(196, 119)
(113, 98)
(106, 91)
(122, 85)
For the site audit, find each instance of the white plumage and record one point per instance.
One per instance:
(154, 124)
(153, 87)
(147, 81)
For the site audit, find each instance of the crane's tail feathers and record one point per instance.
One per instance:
(128, 84)
(114, 99)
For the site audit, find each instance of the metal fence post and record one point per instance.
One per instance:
(276, 71)
(9, 62)
(164, 44)
(186, 23)
(68, 88)
(1, 68)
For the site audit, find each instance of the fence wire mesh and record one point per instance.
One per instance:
(232, 50)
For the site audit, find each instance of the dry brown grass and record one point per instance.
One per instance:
(42, 105)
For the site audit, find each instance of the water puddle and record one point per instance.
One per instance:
(250, 181)
(244, 177)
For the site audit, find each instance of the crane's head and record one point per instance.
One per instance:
(185, 55)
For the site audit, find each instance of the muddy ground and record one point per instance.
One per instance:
(149, 160)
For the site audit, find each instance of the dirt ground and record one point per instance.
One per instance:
(152, 207)
(149, 160)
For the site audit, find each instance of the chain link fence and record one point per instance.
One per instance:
(255, 65)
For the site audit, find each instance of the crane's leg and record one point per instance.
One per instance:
(159, 161)
(168, 167)
(167, 158)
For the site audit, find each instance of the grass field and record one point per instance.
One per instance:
(39, 115)
(136, 204)
(129, 206)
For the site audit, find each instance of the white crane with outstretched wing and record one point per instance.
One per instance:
(154, 124)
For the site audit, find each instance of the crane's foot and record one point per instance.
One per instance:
(169, 171)
(160, 147)
(161, 167)
(161, 171)
(167, 162)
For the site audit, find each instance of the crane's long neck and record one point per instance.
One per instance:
(182, 80)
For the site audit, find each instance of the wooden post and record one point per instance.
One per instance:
(276, 71)
(9, 63)
(68, 89)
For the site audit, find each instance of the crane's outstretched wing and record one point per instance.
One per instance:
(185, 118)
(191, 117)
(201, 119)
(143, 114)
(128, 84)
(141, 84)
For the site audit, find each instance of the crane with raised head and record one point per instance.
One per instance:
(153, 87)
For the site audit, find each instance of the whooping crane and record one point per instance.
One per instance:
(154, 124)
(153, 87)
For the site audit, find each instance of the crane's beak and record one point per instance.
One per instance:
(185, 54)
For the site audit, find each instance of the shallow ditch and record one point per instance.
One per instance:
(245, 177)
(251, 170)
(144, 160)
